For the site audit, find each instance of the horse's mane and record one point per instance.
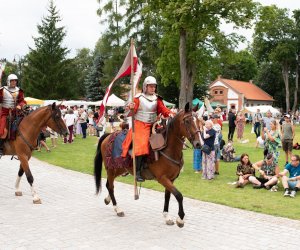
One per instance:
(171, 121)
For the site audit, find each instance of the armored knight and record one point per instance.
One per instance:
(11, 99)
(146, 107)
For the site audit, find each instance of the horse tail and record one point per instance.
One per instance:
(98, 163)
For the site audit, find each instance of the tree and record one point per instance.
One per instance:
(239, 66)
(94, 90)
(49, 75)
(82, 64)
(192, 29)
(274, 42)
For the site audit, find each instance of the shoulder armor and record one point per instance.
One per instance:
(138, 95)
(159, 97)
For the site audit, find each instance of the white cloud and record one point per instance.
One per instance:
(19, 20)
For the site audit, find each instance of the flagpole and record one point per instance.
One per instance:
(136, 195)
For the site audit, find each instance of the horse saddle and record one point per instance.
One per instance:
(158, 140)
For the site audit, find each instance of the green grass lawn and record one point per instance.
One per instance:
(79, 157)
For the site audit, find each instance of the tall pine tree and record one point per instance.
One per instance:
(49, 75)
(94, 90)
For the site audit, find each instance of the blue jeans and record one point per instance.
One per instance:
(197, 160)
(257, 129)
(83, 128)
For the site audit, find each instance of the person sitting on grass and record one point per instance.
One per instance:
(291, 184)
(228, 152)
(244, 171)
(268, 170)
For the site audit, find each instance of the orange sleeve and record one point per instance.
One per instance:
(137, 104)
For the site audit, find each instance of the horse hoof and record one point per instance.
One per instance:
(121, 214)
(180, 222)
(106, 201)
(18, 193)
(37, 201)
(170, 222)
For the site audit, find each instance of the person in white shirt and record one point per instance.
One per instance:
(70, 120)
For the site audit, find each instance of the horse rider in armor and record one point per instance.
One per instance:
(11, 100)
(146, 107)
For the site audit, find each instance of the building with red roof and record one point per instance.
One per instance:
(238, 94)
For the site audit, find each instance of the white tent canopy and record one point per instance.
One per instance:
(112, 101)
(263, 109)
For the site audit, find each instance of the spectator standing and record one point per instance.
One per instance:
(70, 120)
(240, 125)
(257, 118)
(218, 138)
(83, 121)
(288, 134)
(208, 160)
(53, 137)
(267, 120)
(244, 171)
(268, 170)
(272, 140)
(231, 124)
(291, 184)
(91, 127)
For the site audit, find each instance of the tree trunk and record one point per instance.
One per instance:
(285, 74)
(186, 73)
(296, 86)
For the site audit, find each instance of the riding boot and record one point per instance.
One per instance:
(1, 146)
(139, 162)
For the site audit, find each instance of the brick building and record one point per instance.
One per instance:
(238, 94)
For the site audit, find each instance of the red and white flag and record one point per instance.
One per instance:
(125, 70)
(136, 79)
(2, 68)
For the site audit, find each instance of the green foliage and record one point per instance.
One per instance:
(240, 66)
(48, 69)
(94, 90)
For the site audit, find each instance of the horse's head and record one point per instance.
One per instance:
(56, 121)
(189, 126)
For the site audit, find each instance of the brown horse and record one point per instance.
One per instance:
(165, 170)
(26, 140)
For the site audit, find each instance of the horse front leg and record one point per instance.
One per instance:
(167, 217)
(25, 167)
(111, 195)
(168, 184)
(18, 192)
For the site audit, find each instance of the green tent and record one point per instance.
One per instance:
(169, 104)
(215, 104)
(197, 101)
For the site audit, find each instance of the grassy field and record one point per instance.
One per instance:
(79, 157)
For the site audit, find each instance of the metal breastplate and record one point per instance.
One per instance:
(10, 97)
(147, 109)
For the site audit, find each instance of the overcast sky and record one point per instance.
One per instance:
(19, 19)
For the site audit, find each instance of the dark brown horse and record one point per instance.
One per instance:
(165, 170)
(26, 140)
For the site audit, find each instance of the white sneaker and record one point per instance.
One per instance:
(293, 194)
(274, 188)
(286, 193)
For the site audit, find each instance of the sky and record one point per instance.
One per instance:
(19, 20)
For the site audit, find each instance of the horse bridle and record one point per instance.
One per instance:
(55, 117)
(191, 137)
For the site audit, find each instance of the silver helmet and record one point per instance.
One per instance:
(11, 77)
(148, 80)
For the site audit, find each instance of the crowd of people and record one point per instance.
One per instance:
(81, 122)
(271, 135)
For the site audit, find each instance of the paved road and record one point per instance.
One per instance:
(72, 217)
